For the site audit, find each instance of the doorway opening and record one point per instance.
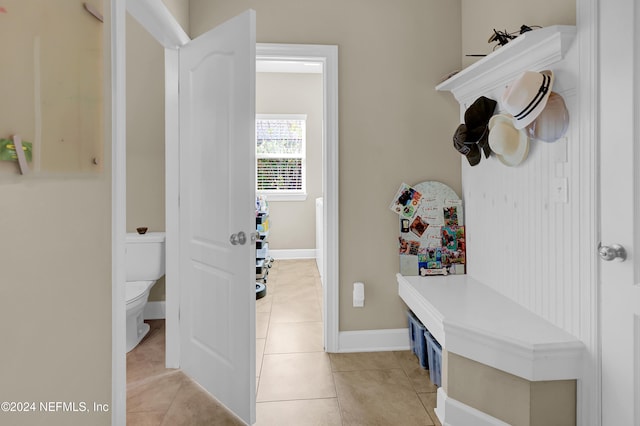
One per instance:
(309, 61)
(289, 160)
(327, 56)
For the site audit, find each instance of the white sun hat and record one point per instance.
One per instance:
(527, 96)
(553, 121)
(510, 145)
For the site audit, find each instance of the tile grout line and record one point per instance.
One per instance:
(322, 351)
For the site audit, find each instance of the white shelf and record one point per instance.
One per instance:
(472, 320)
(534, 50)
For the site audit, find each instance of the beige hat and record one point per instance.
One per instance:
(553, 121)
(510, 145)
(527, 96)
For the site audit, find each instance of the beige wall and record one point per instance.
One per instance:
(51, 83)
(180, 11)
(410, 141)
(55, 292)
(145, 135)
(55, 297)
(293, 224)
(509, 398)
(145, 128)
(394, 127)
(479, 18)
(55, 307)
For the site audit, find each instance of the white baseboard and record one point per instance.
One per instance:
(286, 254)
(155, 310)
(451, 412)
(374, 340)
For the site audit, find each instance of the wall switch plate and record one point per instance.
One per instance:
(358, 295)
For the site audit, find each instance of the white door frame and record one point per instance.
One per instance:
(619, 43)
(589, 405)
(590, 388)
(161, 24)
(155, 18)
(328, 56)
(117, 17)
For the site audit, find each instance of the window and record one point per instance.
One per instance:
(280, 156)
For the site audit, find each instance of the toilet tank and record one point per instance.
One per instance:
(145, 256)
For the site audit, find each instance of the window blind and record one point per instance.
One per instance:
(279, 174)
(280, 153)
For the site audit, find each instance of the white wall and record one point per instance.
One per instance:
(521, 240)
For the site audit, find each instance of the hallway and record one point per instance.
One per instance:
(298, 383)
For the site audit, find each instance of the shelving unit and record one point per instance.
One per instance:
(263, 261)
(534, 50)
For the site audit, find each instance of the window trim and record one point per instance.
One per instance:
(285, 195)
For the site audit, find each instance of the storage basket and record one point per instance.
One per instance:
(417, 339)
(434, 353)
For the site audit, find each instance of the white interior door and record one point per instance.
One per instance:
(620, 206)
(217, 213)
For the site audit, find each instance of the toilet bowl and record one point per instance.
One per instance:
(144, 266)
(136, 296)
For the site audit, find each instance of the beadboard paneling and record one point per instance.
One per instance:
(523, 239)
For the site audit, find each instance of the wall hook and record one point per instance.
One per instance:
(22, 159)
(95, 12)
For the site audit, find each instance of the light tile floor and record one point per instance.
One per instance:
(298, 383)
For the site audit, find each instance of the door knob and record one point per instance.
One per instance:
(239, 238)
(612, 252)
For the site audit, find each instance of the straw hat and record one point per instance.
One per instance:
(527, 96)
(510, 145)
(553, 121)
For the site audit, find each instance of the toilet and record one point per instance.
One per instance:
(145, 260)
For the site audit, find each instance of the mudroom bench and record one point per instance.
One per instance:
(501, 363)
